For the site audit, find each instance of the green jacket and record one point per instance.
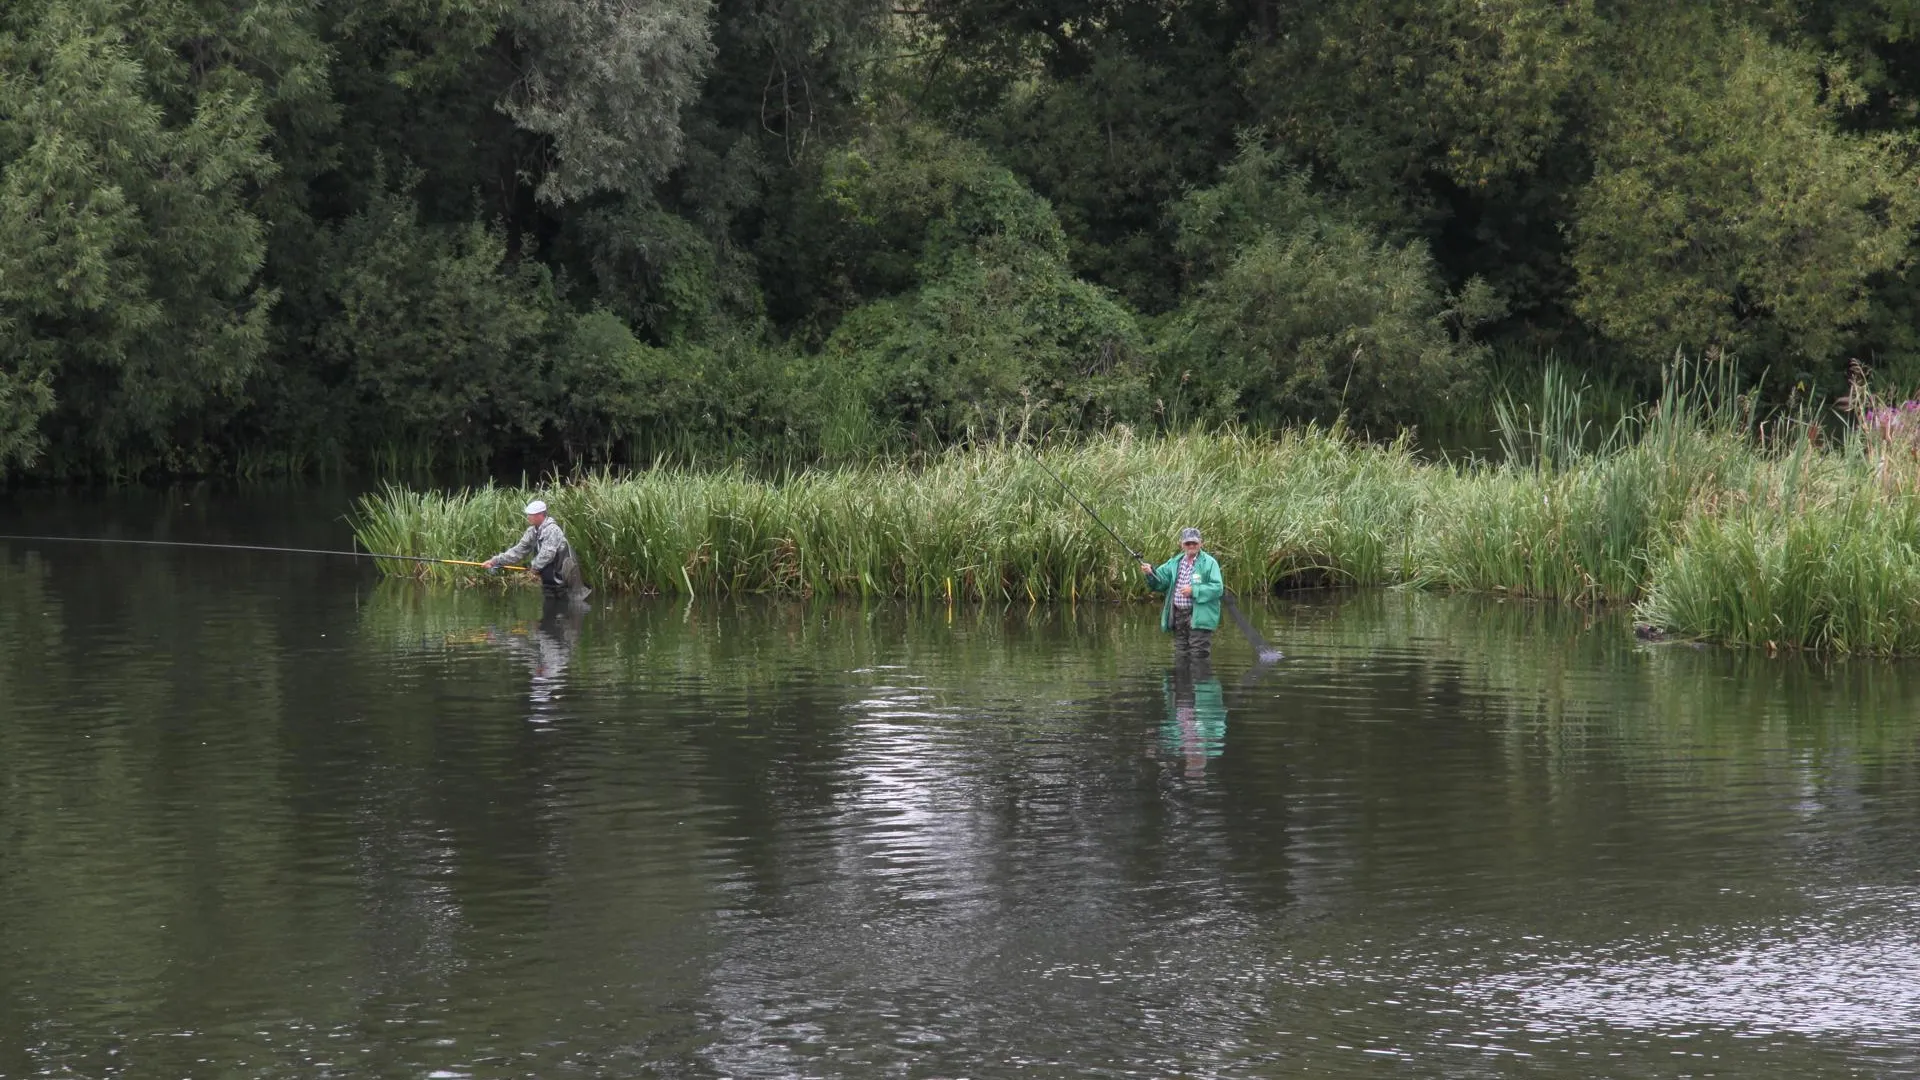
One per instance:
(1207, 588)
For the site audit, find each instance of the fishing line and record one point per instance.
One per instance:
(244, 547)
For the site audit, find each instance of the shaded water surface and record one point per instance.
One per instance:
(260, 816)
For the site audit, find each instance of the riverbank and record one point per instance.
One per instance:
(1712, 532)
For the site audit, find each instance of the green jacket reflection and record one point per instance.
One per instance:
(1196, 723)
(1207, 588)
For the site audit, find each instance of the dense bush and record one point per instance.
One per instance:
(990, 330)
(1301, 313)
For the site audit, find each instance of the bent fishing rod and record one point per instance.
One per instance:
(249, 547)
(1124, 546)
(1267, 653)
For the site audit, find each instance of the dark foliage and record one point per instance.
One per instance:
(265, 235)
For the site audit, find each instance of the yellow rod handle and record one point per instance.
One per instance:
(463, 562)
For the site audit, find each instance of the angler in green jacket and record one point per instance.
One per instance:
(1192, 583)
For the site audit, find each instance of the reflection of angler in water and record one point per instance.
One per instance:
(1196, 724)
(546, 649)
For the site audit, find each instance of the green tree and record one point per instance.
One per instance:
(1300, 312)
(1111, 146)
(605, 80)
(1730, 208)
(662, 272)
(604, 384)
(437, 333)
(1382, 95)
(989, 328)
(131, 137)
(638, 225)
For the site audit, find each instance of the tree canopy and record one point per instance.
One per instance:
(259, 234)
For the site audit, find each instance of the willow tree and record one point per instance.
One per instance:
(605, 81)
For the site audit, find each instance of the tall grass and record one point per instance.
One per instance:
(1806, 548)
(1715, 526)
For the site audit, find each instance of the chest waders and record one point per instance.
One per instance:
(561, 576)
(554, 577)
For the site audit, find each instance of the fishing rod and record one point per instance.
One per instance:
(1266, 652)
(1096, 517)
(248, 547)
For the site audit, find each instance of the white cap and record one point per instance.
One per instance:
(536, 507)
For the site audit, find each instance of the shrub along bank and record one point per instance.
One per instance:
(1711, 530)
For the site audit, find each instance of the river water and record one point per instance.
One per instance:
(264, 816)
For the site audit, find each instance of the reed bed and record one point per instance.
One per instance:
(1713, 531)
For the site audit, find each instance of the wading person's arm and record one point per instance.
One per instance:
(518, 551)
(1154, 577)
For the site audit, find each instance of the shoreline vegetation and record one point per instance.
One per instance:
(1713, 526)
